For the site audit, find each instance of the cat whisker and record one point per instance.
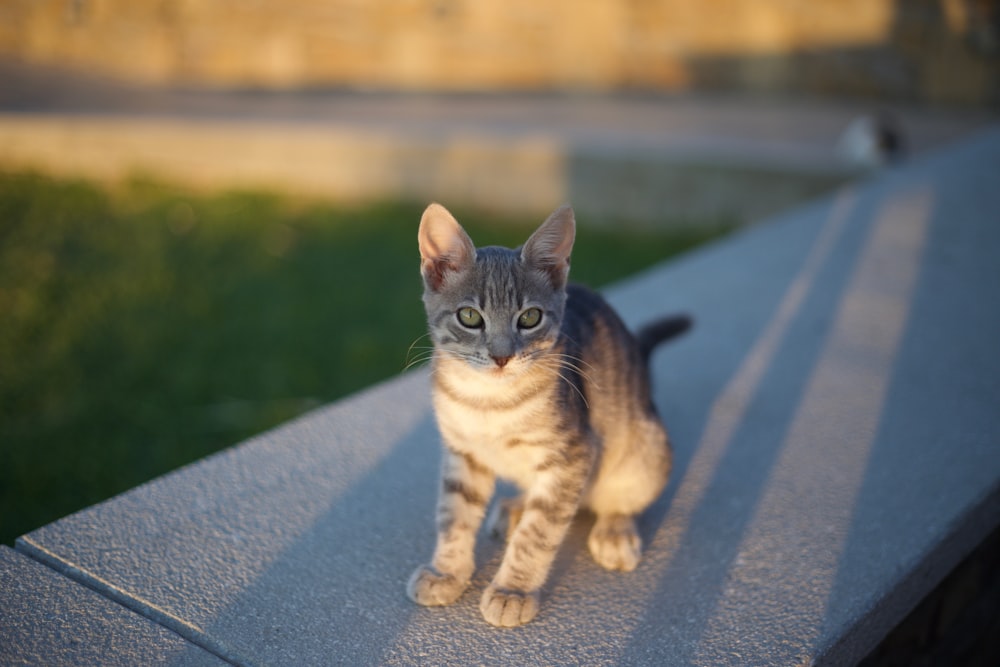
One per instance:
(575, 388)
(418, 361)
(574, 363)
(578, 346)
(427, 354)
(578, 360)
(559, 370)
(555, 369)
(415, 341)
(467, 357)
(422, 357)
(564, 362)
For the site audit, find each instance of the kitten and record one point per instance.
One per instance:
(540, 383)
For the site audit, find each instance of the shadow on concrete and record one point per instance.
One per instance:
(949, 294)
(776, 461)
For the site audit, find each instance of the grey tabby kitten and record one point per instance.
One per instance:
(541, 384)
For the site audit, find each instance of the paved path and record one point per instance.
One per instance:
(762, 129)
(638, 158)
(834, 414)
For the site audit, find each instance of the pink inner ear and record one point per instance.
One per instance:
(549, 248)
(557, 273)
(444, 246)
(434, 272)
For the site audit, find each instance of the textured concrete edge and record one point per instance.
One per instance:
(875, 624)
(195, 635)
(192, 634)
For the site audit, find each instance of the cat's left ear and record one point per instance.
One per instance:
(444, 246)
(550, 246)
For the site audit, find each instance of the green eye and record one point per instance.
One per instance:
(530, 318)
(470, 317)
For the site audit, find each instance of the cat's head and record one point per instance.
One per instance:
(496, 308)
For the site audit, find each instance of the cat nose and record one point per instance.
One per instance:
(500, 361)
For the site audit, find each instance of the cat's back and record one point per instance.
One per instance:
(592, 327)
(612, 372)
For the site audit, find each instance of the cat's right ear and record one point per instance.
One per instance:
(444, 246)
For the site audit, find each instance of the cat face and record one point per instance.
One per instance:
(496, 309)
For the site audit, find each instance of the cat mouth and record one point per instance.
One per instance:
(499, 370)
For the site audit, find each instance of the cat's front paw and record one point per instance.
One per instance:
(507, 608)
(430, 588)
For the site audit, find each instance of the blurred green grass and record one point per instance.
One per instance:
(145, 326)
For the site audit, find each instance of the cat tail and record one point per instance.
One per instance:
(660, 331)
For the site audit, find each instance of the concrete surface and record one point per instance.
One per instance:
(644, 159)
(835, 424)
(47, 619)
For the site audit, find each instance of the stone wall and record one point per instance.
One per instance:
(932, 50)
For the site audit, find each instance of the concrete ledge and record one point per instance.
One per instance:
(47, 619)
(834, 416)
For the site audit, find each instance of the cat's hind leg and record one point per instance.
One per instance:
(504, 517)
(614, 542)
(634, 472)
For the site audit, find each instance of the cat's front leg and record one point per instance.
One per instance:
(466, 489)
(549, 506)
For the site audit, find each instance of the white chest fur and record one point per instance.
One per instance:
(503, 421)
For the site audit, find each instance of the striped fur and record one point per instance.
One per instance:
(562, 408)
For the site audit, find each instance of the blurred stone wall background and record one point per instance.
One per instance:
(937, 51)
